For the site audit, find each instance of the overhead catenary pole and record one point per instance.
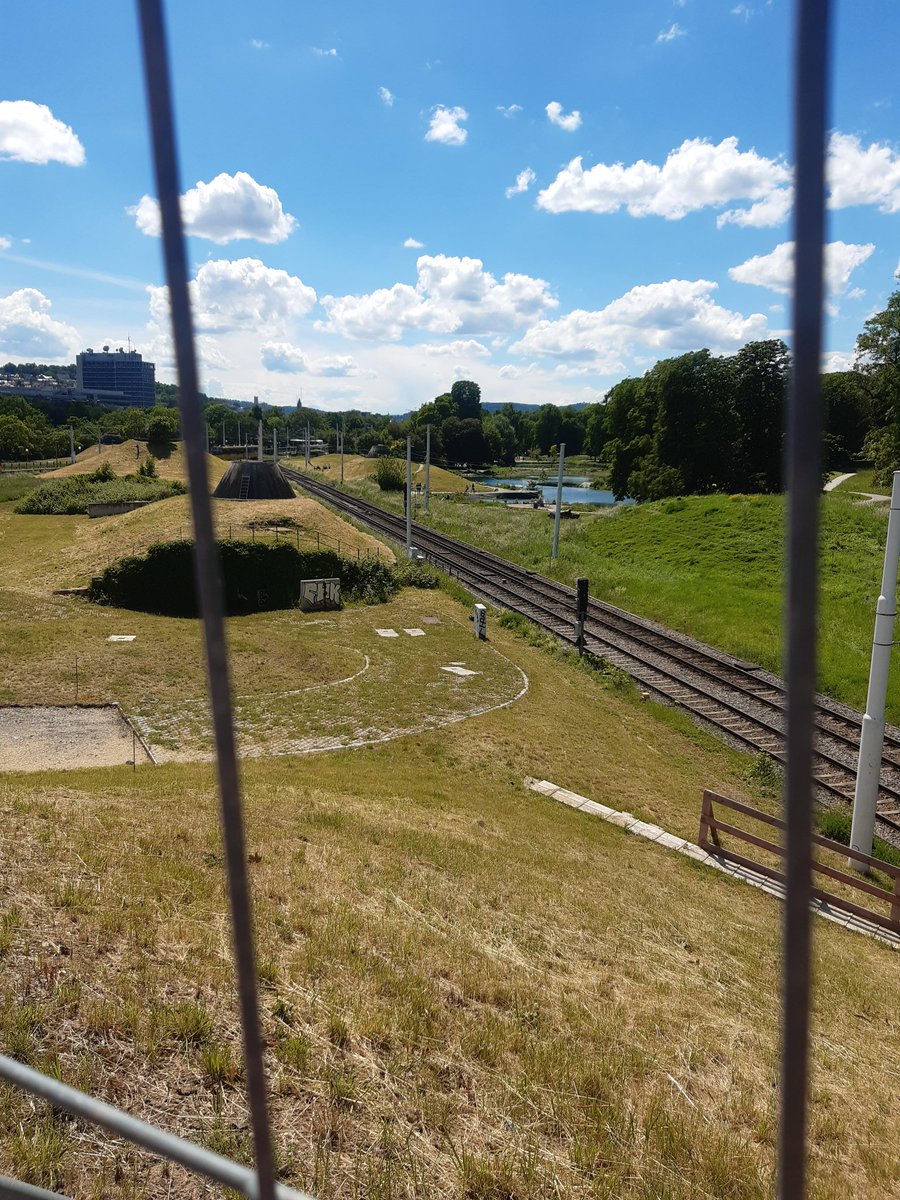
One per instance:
(71, 443)
(427, 465)
(259, 440)
(274, 444)
(306, 463)
(871, 741)
(408, 497)
(556, 515)
(343, 432)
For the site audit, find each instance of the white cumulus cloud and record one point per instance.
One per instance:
(775, 270)
(675, 316)
(226, 209)
(245, 293)
(524, 180)
(259, 44)
(699, 174)
(509, 110)
(568, 121)
(837, 360)
(451, 295)
(27, 331)
(669, 35)
(331, 53)
(446, 126)
(289, 359)
(30, 133)
(412, 244)
(462, 348)
(385, 96)
(5, 243)
(863, 175)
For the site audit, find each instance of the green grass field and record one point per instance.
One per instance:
(468, 991)
(710, 566)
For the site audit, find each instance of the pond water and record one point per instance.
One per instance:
(572, 493)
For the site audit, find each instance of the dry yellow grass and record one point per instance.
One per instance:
(124, 461)
(468, 990)
(356, 467)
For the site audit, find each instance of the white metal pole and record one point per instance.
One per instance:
(259, 440)
(556, 515)
(427, 465)
(871, 741)
(408, 496)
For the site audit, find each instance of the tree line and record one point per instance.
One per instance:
(691, 424)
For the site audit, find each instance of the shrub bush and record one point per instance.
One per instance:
(257, 577)
(59, 497)
(389, 474)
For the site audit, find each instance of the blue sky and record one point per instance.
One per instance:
(592, 187)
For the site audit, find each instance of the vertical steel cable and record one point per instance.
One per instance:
(804, 486)
(209, 591)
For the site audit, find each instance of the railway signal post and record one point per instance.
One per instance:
(581, 604)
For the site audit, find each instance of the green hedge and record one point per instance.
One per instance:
(66, 497)
(257, 577)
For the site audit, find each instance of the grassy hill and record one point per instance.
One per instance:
(40, 554)
(357, 468)
(123, 458)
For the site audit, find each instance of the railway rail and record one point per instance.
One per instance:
(741, 701)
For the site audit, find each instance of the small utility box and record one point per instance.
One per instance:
(480, 619)
(317, 595)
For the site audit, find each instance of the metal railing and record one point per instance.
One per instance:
(803, 464)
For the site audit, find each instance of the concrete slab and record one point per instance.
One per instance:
(387, 632)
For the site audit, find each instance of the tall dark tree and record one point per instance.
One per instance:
(759, 380)
(466, 395)
(695, 430)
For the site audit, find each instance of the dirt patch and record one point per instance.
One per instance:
(47, 738)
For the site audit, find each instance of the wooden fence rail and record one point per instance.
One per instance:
(711, 827)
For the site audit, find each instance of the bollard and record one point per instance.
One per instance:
(480, 620)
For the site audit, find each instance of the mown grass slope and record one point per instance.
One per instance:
(468, 990)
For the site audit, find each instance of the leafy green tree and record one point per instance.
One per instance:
(501, 438)
(546, 427)
(162, 424)
(848, 414)
(466, 395)
(878, 357)
(595, 431)
(16, 438)
(134, 423)
(759, 381)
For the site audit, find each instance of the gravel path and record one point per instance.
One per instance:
(64, 738)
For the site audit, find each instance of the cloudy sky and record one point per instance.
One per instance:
(382, 198)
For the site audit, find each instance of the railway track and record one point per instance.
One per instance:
(740, 700)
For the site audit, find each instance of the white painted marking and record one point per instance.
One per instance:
(415, 632)
(454, 670)
(387, 632)
(121, 637)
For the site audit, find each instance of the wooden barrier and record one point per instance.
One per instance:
(711, 827)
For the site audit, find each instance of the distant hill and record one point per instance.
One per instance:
(493, 406)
